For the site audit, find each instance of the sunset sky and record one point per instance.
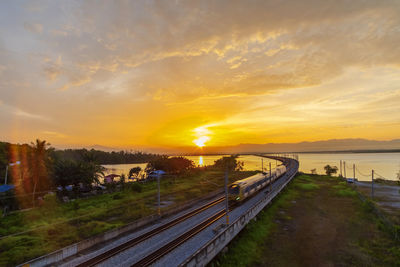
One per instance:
(166, 73)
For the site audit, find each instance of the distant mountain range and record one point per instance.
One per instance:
(333, 145)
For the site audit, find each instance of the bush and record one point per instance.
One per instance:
(172, 165)
(229, 163)
(368, 206)
(75, 205)
(50, 201)
(330, 170)
(117, 196)
(94, 228)
(136, 187)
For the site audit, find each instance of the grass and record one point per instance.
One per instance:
(56, 225)
(330, 226)
(247, 245)
(308, 186)
(346, 192)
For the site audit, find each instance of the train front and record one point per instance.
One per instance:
(234, 193)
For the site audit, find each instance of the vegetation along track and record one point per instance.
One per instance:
(118, 249)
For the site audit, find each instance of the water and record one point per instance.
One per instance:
(386, 165)
(251, 163)
(120, 169)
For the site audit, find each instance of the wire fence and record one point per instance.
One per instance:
(348, 170)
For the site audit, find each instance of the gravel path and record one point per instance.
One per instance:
(82, 257)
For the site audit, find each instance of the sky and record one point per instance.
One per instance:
(137, 74)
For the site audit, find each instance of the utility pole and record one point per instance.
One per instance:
(372, 185)
(270, 178)
(10, 164)
(262, 165)
(341, 174)
(344, 168)
(226, 197)
(158, 196)
(5, 179)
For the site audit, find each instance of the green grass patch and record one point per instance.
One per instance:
(308, 186)
(247, 246)
(348, 192)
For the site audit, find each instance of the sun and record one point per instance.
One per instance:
(200, 142)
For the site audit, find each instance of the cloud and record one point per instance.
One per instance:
(54, 134)
(53, 69)
(33, 27)
(241, 65)
(21, 113)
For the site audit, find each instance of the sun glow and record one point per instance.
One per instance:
(200, 142)
(201, 133)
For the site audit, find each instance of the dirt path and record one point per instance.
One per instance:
(386, 196)
(318, 221)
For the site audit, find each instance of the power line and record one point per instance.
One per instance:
(359, 172)
(381, 176)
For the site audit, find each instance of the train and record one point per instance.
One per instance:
(245, 188)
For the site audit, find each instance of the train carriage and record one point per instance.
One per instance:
(242, 189)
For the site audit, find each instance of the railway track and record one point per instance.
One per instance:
(153, 257)
(118, 249)
(170, 246)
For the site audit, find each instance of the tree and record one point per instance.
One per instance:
(134, 171)
(39, 161)
(229, 163)
(69, 172)
(330, 170)
(314, 171)
(172, 165)
(3, 158)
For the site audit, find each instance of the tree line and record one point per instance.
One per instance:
(42, 168)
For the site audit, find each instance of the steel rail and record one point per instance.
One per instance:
(156, 255)
(153, 257)
(133, 242)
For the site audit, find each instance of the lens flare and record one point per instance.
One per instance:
(200, 142)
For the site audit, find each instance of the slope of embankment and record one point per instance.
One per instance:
(316, 221)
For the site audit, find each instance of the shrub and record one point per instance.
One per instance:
(229, 163)
(75, 205)
(136, 187)
(330, 170)
(172, 165)
(94, 228)
(50, 202)
(117, 196)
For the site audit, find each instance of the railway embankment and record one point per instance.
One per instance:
(316, 221)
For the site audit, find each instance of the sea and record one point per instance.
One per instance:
(358, 165)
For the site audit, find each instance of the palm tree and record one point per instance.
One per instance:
(39, 159)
